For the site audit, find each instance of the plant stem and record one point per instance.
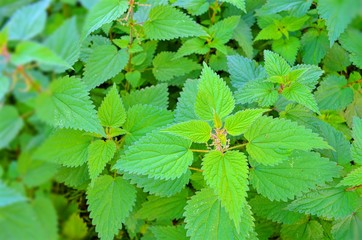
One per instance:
(237, 146)
(195, 169)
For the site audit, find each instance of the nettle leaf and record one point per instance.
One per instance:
(159, 187)
(27, 52)
(163, 208)
(243, 70)
(309, 75)
(206, 219)
(349, 41)
(65, 42)
(104, 63)
(213, 96)
(296, 7)
(75, 227)
(338, 14)
(66, 146)
(274, 139)
(159, 155)
(10, 125)
(165, 67)
(356, 148)
(99, 154)
(354, 178)
(239, 122)
(264, 93)
(307, 229)
(194, 7)
(185, 103)
(336, 59)
(301, 94)
(190, 46)
(169, 232)
(275, 65)
(166, 22)
(332, 94)
(27, 21)
(274, 211)
(300, 173)
(75, 177)
(195, 130)
(46, 216)
(237, 3)
(223, 30)
(329, 202)
(111, 113)
(287, 48)
(67, 105)
(156, 95)
(227, 174)
(349, 227)
(110, 201)
(315, 46)
(242, 34)
(104, 11)
(142, 119)
(9, 196)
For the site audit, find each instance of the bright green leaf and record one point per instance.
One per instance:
(287, 48)
(185, 104)
(275, 65)
(264, 93)
(195, 130)
(314, 46)
(350, 41)
(311, 230)
(169, 232)
(156, 95)
(237, 3)
(354, 178)
(356, 148)
(99, 154)
(190, 46)
(10, 125)
(349, 227)
(239, 122)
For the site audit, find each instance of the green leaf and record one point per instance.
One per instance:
(166, 22)
(243, 70)
(10, 125)
(274, 139)
(302, 95)
(206, 219)
(75, 177)
(110, 200)
(309, 75)
(223, 30)
(185, 103)
(237, 3)
(349, 227)
(257, 91)
(159, 187)
(238, 123)
(105, 11)
(67, 105)
(287, 48)
(227, 174)
(111, 113)
(349, 41)
(190, 46)
(99, 154)
(242, 34)
(275, 65)
(300, 173)
(169, 232)
(163, 208)
(330, 202)
(27, 52)
(165, 67)
(100, 65)
(354, 178)
(65, 42)
(28, 21)
(75, 227)
(195, 130)
(332, 94)
(20, 216)
(67, 147)
(9, 196)
(315, 46)
(338, 14)
(159, 155)
(274, 211)
(213, 96)
(156, 95)
(336, 59)
(356, 148)
(47, 217)
(307, 229)
(296, 7)
(142, 119)
(194, 7)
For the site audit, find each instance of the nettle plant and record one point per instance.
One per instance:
(182, 119)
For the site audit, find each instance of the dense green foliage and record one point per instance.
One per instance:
(181, 119)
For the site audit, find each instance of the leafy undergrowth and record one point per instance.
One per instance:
(180, 119)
